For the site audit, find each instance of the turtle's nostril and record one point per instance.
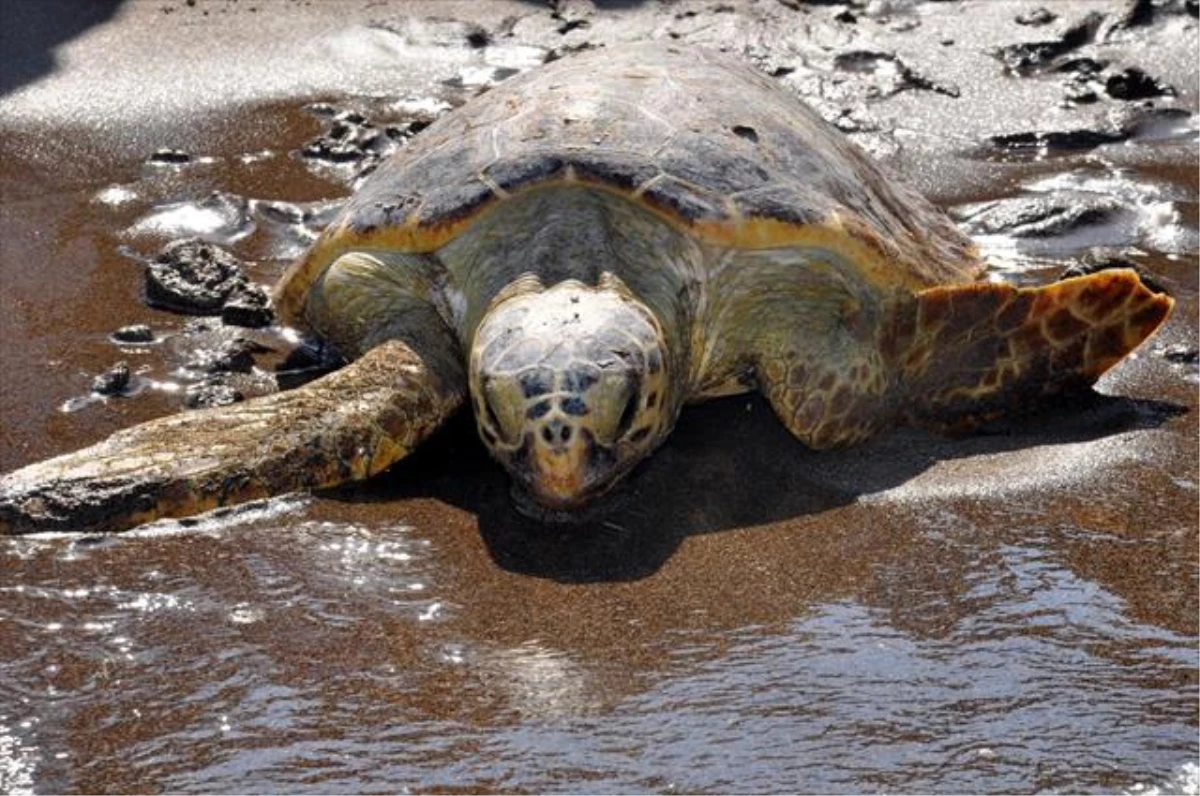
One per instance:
(556, 433)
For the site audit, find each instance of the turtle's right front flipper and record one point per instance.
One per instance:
(343, 427)
(964, 354)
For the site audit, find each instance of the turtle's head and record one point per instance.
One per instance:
(571, 388)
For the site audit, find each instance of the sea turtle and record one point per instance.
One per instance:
(578, 253)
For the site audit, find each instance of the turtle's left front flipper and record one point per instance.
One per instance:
(964, 354)
(343, 427)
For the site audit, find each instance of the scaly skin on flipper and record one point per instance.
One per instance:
(971, 353)
(949, 357)
(346, 426)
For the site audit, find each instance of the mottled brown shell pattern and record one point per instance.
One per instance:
(693, 135)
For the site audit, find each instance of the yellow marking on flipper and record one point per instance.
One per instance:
(1000, 347)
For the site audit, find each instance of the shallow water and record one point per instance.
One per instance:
(1011, 612)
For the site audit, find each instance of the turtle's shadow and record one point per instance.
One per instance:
(729, 464)
(31, 33)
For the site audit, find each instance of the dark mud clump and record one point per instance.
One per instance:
(170, 156)
(113, 381)
(899, 75)
(1057, 140)
(231, 356)
(211, 392)
(195, 277)
(1129, 121)
(349, 137)
(250, 307)
(1036, 17)
(1027, 58)
(1134, 84)
(134, 333)
(1181, 354)
(1136, 14)
(478, 37)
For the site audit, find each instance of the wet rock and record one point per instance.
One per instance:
(232, 356)
(417, 125)
(322, 109)
(1028, 57)
(351, 141)
(135, 333)
(1157, 124)
(193, 276)
(1057, 140)
(114, 381)
(211, 393)
(573, 24)
(334, 149)
(174, 156)
(1180, 354)
(555, 53)
(292, 228)
(1082, 67)
(249, 306)
(199, 326)
(1035, 17)
(1085, 97)
(1134, 84)
(1136, 14)
(478, 38)
(219, 216)
(895, 75)
(279, 212)
(1105, 259)
(350, 138)
(1044, 216)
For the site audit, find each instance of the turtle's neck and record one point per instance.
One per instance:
(548, 235)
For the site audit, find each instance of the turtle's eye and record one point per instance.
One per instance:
(630, 412)
(502, 409)
(614, 403)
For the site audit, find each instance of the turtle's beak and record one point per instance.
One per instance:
(565, 466)
(560, 467)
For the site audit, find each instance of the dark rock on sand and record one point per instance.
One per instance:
(174, 156)
(1135, 14)
(897, 76)
(1181, 354)
(1044, 216)
(1030, 57)
(1134, 84)
(350, 138)
(248, 306)
(113, 381)
(210, 393)
(134, 333)
(1036, 17)
(193, 276)
(1057, 140)
(232, 356)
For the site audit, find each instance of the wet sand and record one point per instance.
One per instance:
(1013, 611)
